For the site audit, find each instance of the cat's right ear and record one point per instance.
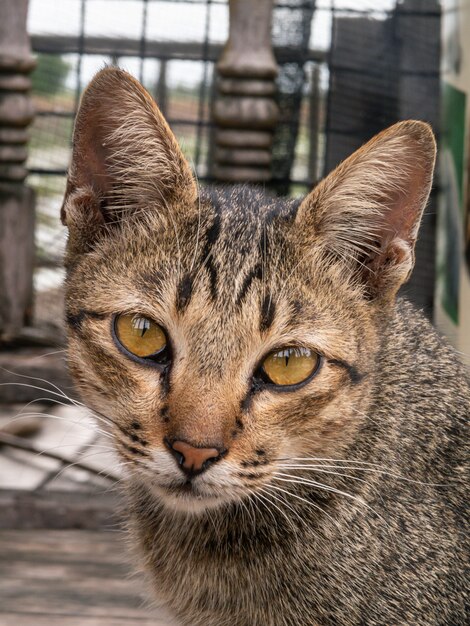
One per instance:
(366, 213)
(125, 160)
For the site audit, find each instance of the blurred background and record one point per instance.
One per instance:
(272, 92)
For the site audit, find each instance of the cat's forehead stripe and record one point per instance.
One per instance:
(255, 272)
(184, 292)
(268, 310)
(232, 240)
(232, 244)
(211, 237)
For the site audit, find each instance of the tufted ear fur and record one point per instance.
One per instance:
(367, 211)
(125, 160)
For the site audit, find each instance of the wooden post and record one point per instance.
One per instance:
(16, 199)
(161, 87)
(245, 111)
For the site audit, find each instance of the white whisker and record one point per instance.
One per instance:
(323, 487)
(268, 492)
(312, 504)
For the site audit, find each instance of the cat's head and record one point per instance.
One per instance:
(224, 332)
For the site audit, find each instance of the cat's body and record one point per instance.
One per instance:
(397, 559)
(336, 498)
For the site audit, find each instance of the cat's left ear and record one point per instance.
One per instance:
(366, 213)
(125, 159)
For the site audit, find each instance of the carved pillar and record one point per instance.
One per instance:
(245, 111)
(16, 200)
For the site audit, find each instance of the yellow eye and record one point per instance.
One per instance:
(139, 335)
(290, 366)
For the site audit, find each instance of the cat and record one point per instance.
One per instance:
(292, 433)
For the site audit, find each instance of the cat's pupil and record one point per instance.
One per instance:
(141, 324)
(139, 335)
(289, 366)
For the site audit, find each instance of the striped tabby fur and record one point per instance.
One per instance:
(337, 503)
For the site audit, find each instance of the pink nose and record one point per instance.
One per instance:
(193, 460)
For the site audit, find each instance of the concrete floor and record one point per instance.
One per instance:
(67, 431)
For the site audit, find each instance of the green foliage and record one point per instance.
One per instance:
(50, 74)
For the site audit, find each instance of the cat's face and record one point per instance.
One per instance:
(221, 334)
(225, 301)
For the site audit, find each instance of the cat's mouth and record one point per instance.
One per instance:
(188, 496)
(185, 489)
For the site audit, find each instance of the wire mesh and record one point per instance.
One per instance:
(346, 71)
